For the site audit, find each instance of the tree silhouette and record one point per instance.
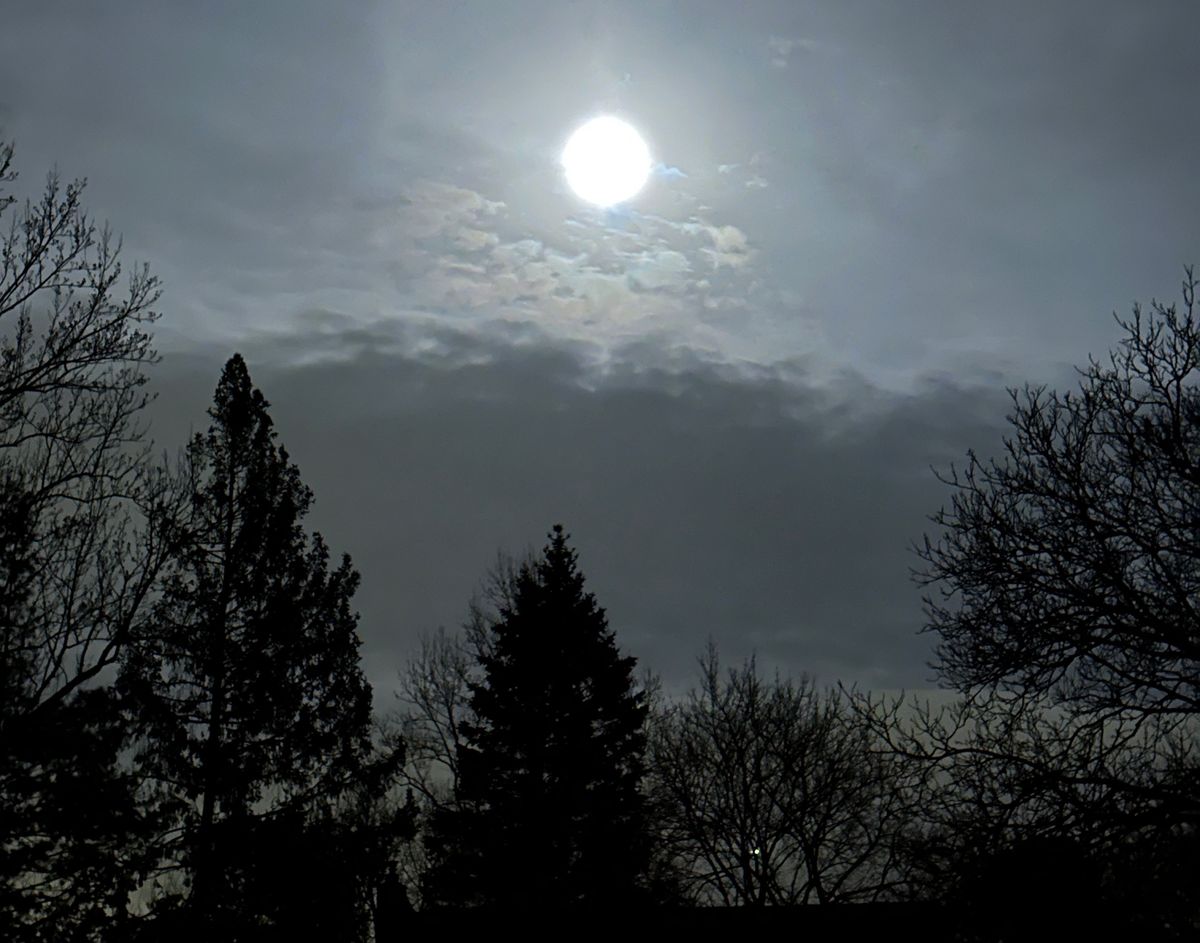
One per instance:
(772, 793)
(71, 376)
(329, 872)
(1068, 573)
(253, 700)
(67, 816)
(547, 813)
(79, 563)
(1064, 586)
(1003, 777)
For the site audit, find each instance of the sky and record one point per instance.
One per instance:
(865, 221)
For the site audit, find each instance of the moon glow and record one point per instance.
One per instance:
(606, 161)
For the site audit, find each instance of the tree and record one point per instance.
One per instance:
(71, 378)
(435, 687)
(254, 703)
(1003, 779)
(326, 871)
(435, 691)
(80, 563)
(67, 810)
(1064, 585)
(547, 811)
(1068, 572)
(771, 793)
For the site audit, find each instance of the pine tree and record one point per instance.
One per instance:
(254, 703)
(548, 813)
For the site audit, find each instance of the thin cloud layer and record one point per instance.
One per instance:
(603, 277)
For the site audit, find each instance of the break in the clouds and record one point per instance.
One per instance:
(725, 387)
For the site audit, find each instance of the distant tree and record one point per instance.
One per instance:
(79, 562)
(1068, 572)
(547, 810)
(436, 702)
(254, 705)
(772, 793)
(435, 705)
(435, 690)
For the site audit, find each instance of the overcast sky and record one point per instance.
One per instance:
(865, 220)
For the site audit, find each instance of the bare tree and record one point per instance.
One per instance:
(1016, 800)
(74, 343)
(1074, 558)
(434, 696)
(771, 793)
(1064, 586)
(1068, 572)
(434, 687)
(72, 361)
(1002, 771)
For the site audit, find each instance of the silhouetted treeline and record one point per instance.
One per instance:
(187, 746)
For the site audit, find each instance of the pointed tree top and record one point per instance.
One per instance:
(558, 543)
(236, 397)
(235, 373)
(558, 559)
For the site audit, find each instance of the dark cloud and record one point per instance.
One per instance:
(766, 512)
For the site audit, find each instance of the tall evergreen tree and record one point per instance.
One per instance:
(254, 701)
(548, 811)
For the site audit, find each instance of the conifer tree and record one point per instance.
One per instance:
(254, 703)
(548, 812)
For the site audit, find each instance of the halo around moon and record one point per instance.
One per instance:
(606, 161)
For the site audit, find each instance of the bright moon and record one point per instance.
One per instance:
(606, 161)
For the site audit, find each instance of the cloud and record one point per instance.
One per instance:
(722, 245)
(756, 505)
(781, 48)
(597, 277)
(750, 173)
(924, 200)
(662, 170)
